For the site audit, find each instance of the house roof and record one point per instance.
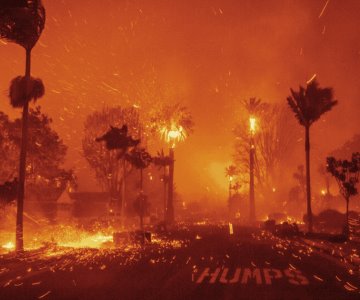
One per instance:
(89, 196)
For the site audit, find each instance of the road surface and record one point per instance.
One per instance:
(197, 262)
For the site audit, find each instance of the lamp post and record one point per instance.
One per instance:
(174, 123)
(252, 123)
(230, 187)
(172, 136)
(170, 203)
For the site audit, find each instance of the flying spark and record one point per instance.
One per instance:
(311, 79)
(323, 10)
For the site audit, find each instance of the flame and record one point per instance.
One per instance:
(8, 246)
(252, 121)
(174, 135)
(90, 241)
(67, 236)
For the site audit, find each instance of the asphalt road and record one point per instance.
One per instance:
(201, 262)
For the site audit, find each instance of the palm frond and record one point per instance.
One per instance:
(139, 158)
(294, 105)
(252, 105)
(308, 104)
(22, 22)
(230, 171)
(20, 92)
(161, 159)
(173, 118)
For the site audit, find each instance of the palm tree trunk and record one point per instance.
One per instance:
(347, 231)
(308, 187)
(229, 191)
(123, 194)
(141, 217)
(141, 179)
(141, 201)
(252, 216)
(170, 204)
(22, 167)
(141, 204)
(141, 198)
(164, 178)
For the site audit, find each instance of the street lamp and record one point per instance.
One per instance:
(175, 134)
(173, 122)
(252, 124)
(172, 135)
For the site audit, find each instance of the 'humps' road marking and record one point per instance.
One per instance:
(251, 275)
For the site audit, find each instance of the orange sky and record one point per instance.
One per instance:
(207, 53)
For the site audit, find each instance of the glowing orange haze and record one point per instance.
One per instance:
(209, 54)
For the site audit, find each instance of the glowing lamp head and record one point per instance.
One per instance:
(323, 192)
(174, 135)
(252, 122)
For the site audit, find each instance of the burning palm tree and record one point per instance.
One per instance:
(309, 104)
(174, 123)
(22, 22)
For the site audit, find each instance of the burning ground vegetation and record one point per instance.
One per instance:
(78, 251)
(48, 239)
(60, 250)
